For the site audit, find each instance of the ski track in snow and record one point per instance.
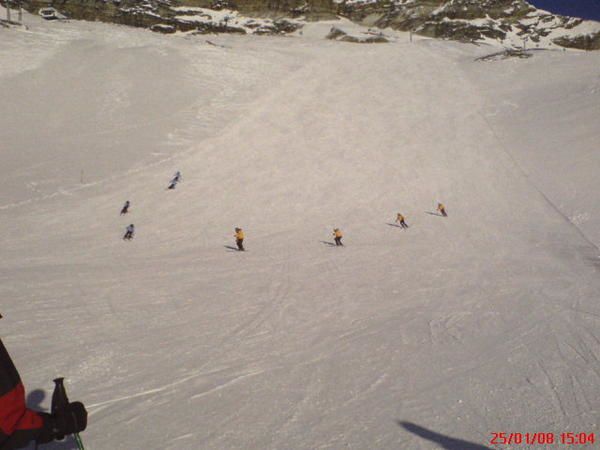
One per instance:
(481, 322)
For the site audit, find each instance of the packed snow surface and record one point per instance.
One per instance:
(432, 337)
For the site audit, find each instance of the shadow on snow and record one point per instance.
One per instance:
(445, 442)
(327, 243)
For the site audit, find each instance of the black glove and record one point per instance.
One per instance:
(68, 420)
(71, 419)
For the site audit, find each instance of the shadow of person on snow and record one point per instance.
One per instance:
(434, 213)
(445, 442)
(34, 401)
(327, 243)
(231, 247)
(394, 225)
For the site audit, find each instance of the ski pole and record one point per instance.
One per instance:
(60, 401)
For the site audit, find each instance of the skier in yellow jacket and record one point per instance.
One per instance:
(400, 220)
(239, 239)
(337, 235)
(442, 209)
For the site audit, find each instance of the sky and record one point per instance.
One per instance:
(587, 9)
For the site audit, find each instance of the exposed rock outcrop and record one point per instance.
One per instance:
(514, 23)
(369, 38)
(585, 42)
(163, 28)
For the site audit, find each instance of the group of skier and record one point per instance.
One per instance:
(239, 233)
(130, 230)
(337, 234)
(19, 425)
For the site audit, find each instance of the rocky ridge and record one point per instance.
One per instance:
(514, 23)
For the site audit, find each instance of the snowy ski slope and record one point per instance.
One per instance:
(434, 337)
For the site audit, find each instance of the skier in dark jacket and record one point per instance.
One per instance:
(176, 179)
(125, 209)
(20, 425)
(129, 232)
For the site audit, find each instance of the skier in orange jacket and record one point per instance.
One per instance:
(442, 209)
(239, 239)
(337, 235)
(400, 220)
